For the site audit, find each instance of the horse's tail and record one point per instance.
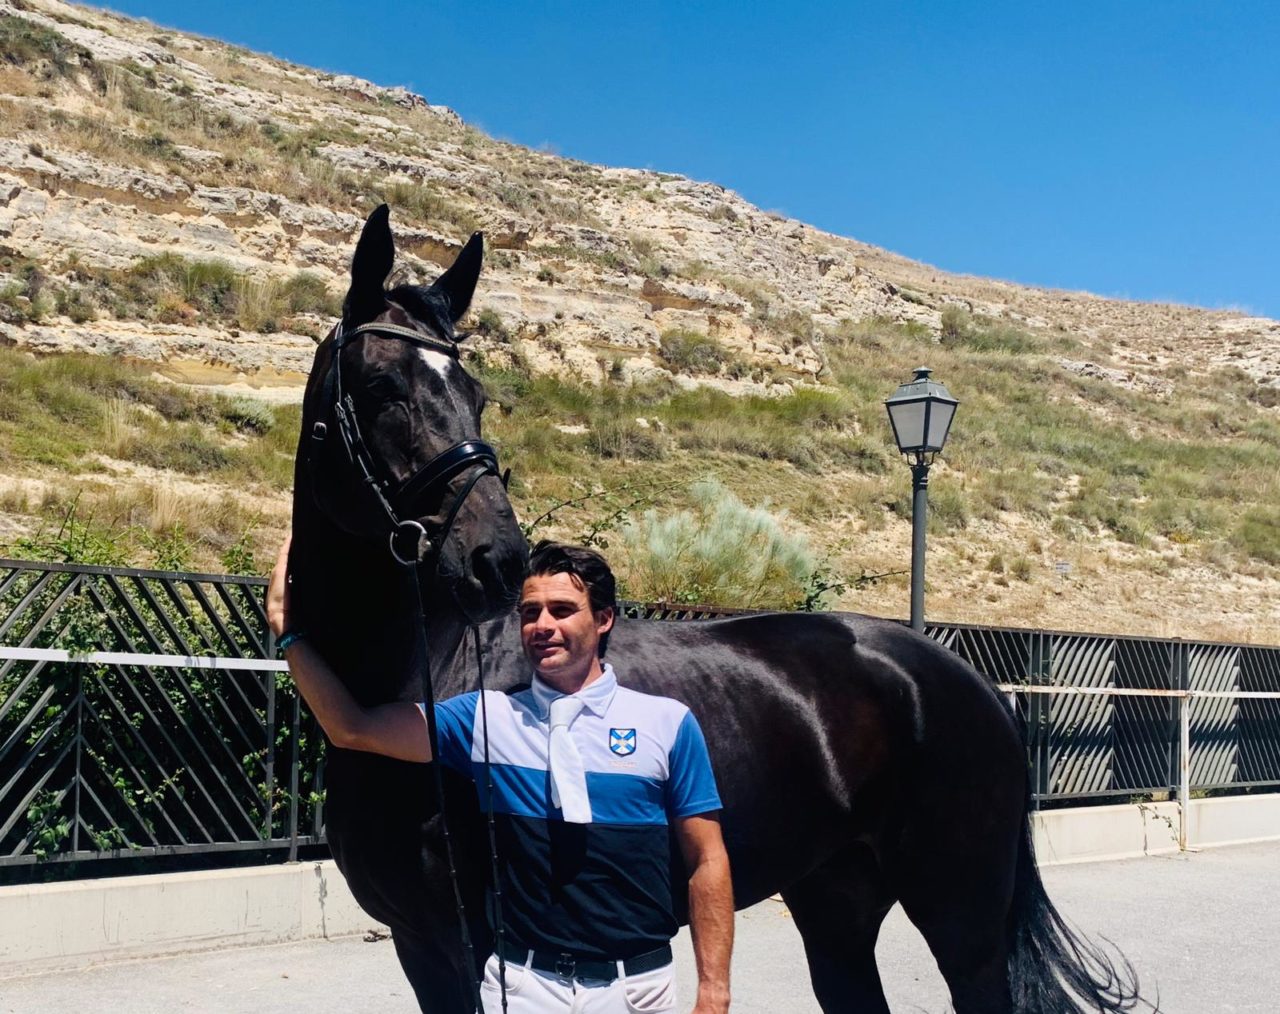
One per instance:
(1052, 968)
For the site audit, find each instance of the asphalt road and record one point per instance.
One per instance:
(1202, 929)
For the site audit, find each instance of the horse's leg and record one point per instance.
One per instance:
(838, 909)
(397, 884)
(954, 872)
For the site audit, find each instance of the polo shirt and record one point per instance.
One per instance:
(600, 891)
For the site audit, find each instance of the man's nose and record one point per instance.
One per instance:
(545, 621)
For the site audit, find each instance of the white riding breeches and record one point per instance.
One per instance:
(532, 992)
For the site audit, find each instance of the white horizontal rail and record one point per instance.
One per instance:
(1019, 688)
(137, 658)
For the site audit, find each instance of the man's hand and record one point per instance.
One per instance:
(278, 591)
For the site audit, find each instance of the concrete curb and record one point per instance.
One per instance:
(49, 927)
(54, 927)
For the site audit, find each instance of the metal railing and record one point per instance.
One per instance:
(142, 713)
(1113, 717)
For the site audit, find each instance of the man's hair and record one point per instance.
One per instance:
(588, 566)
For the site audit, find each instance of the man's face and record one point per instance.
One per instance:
(558, 630)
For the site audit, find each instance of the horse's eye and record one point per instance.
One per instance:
(386, 387)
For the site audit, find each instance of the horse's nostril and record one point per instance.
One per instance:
(496, 571)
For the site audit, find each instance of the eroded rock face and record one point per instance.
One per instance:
(186, 146)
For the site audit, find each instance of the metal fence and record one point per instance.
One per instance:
(1115, 717)
(143, 713)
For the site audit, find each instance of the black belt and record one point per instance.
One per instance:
(568, 967)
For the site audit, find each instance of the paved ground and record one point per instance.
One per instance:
(1202, 928)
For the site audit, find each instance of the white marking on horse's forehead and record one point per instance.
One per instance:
(441, 362)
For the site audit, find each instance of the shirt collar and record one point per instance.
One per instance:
(596, 697)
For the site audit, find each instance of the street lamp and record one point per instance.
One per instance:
(920, 412)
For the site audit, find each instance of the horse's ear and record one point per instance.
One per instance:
(458, 284)
(375, 254)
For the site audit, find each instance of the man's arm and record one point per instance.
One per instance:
(710, 907)
(396, 730)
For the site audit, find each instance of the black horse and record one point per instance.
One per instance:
(860, 763)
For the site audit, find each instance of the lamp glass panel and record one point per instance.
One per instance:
(939, 423)
(908, 424)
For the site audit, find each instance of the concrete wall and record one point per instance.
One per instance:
(1085, 834)
(46, 927)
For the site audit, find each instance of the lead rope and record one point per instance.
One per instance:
(429, 696)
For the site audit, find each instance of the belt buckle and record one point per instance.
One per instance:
(566, 965)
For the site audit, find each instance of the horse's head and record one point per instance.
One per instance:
(391, 433)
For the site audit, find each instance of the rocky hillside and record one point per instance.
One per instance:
(192, 205)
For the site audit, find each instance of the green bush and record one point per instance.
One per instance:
(308, 293)
(1257, 533)
(718, 551)
(489, 323)
(960, 328)
(24, 43)
(693, 352)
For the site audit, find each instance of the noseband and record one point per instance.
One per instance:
(411, 540)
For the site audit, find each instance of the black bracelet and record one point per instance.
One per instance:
(289, 638)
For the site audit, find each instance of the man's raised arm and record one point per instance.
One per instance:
(395, 730)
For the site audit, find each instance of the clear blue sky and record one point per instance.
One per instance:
(1129, 148)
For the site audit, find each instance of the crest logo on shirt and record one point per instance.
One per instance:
(622, 741)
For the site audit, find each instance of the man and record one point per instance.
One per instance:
(589, 778)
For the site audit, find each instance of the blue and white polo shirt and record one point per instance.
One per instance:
(601, 891)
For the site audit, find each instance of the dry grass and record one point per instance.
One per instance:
(117, 425)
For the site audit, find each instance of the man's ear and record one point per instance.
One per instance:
(604, 620)
(370, 265)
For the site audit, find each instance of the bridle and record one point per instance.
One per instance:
(476, 459)
(411, 540)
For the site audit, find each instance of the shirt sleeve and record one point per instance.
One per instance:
(691, 785)
(455, 726)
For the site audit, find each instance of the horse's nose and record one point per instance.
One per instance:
(500, 571)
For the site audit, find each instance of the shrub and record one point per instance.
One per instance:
(489, 323)
(1258, 534)
(982, 334)
(247, 414)
(24, 44)
(308, 293)
(956, 324)
(719, 551)
(693, 352)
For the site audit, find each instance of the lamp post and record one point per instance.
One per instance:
(920, 412)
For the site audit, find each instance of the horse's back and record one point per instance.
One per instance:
(818, 725)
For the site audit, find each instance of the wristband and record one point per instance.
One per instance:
(289, 638)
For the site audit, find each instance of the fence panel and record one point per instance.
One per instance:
(1145, 729)
(139, 715)
(1213, 667)
(1080, 726)
(1258, 719)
